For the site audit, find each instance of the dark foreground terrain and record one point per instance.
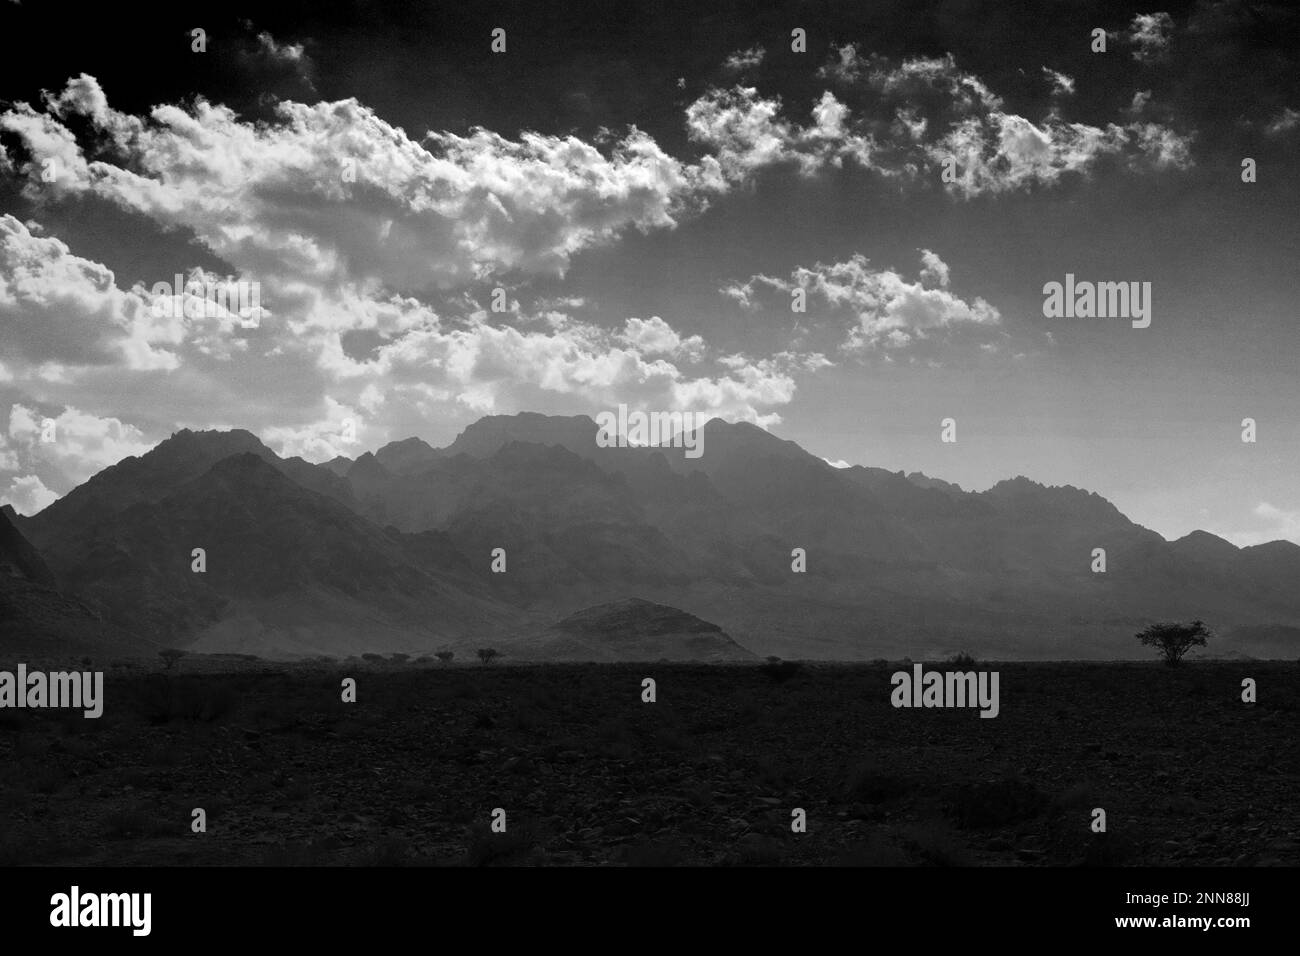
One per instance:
(589, 774)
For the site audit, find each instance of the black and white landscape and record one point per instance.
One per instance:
(609, 414)
(394, 553)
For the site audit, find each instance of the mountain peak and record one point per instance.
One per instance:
(407, 455)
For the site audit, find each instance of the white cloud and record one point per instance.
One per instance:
(1151, 33)
(743, 60)
(746, 132)
(934, 270)
(1062, 85)
(1278, 524)
(933, 111)
(1284, 122)
(28, 495)
(83, 443)
(272, 198)
(58, 306)
(654, 336)
(338, 433)
(891, 312)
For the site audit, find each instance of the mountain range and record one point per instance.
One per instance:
(394, 551)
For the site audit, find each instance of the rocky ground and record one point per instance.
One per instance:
(709, 774)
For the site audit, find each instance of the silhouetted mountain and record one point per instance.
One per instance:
(633, 630)
(17, 556)
(150, 477)
(399, 552)
(37, 620)
(404, 457)
(287, 571)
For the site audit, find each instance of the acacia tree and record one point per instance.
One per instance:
(1173, 640)
(486, 654)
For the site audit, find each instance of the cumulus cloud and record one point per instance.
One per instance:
(82, 444)
(654, 336)
(934, 271)
(746, 132)
(337, 433)
(890, 312)
(331, 193)
(321, 393)
(919, 114)
(27, 494)
(56, 306)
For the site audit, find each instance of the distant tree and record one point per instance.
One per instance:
(372, 657)
(1173, 640)
(486, 654)
(170, 656)
(445, 656)
(399, 658)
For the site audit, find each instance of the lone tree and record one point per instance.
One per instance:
(445, 656)
(1174, 640)
(170, 656)
(486, 654)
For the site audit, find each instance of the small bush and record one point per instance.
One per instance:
(373, 658)
(445, 656)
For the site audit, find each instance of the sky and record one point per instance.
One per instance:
(648, 192)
